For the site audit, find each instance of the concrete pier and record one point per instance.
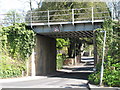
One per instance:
(45, 55)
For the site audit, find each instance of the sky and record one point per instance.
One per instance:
(19, 5)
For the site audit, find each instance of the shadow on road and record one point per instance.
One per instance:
(73, 75)
(79, 72)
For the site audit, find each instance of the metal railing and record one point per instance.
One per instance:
(69, 15)
(56, 16)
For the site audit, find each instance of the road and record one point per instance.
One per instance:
(68, 77)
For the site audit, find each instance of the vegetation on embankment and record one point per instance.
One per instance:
(16, 43)
(111, 75)
(11, 68)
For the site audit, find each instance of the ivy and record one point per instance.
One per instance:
(112, 55)
(19, 41)
(16, 43)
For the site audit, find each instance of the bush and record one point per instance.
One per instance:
(94, 78)
(16, 43)
(60, 59)
(111, 75)
(111, 78)
(10, 68)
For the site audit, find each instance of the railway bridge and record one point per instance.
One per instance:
(52, 24)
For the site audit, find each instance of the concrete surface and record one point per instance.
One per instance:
(45, 57)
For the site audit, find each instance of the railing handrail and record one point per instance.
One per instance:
(66, 13)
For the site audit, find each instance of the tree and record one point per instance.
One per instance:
(39, 3)
(12, 17)
(32, 4)
(114, 7)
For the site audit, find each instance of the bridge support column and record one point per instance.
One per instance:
(45, 57)
(95, 49)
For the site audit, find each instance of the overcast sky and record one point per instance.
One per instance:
(19, 5)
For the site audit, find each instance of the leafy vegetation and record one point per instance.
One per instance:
(112, 55)
(62, 43)
(11, 68)
(19, 41)
(16, 46)
(60, 59)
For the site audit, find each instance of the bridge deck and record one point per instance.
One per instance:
(68, 30)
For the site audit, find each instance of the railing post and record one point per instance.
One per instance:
(48, 17)
(73, 19)
(92, 15)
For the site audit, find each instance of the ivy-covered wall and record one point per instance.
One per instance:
(16, 43)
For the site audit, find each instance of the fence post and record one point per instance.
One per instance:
(73, 18)
(92, 15)
(48, 17)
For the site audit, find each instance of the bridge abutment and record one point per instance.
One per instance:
(45, 57)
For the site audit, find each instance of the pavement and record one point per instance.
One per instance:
(49, 82)
(97, 87)
(21, 79)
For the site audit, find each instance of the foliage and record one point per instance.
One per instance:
(10, 68)
(111, 73)
(112, 60)
(94, 78)
(12, 17)
(60, 59)
(62, 43)
(16, 43)
(19, 41)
